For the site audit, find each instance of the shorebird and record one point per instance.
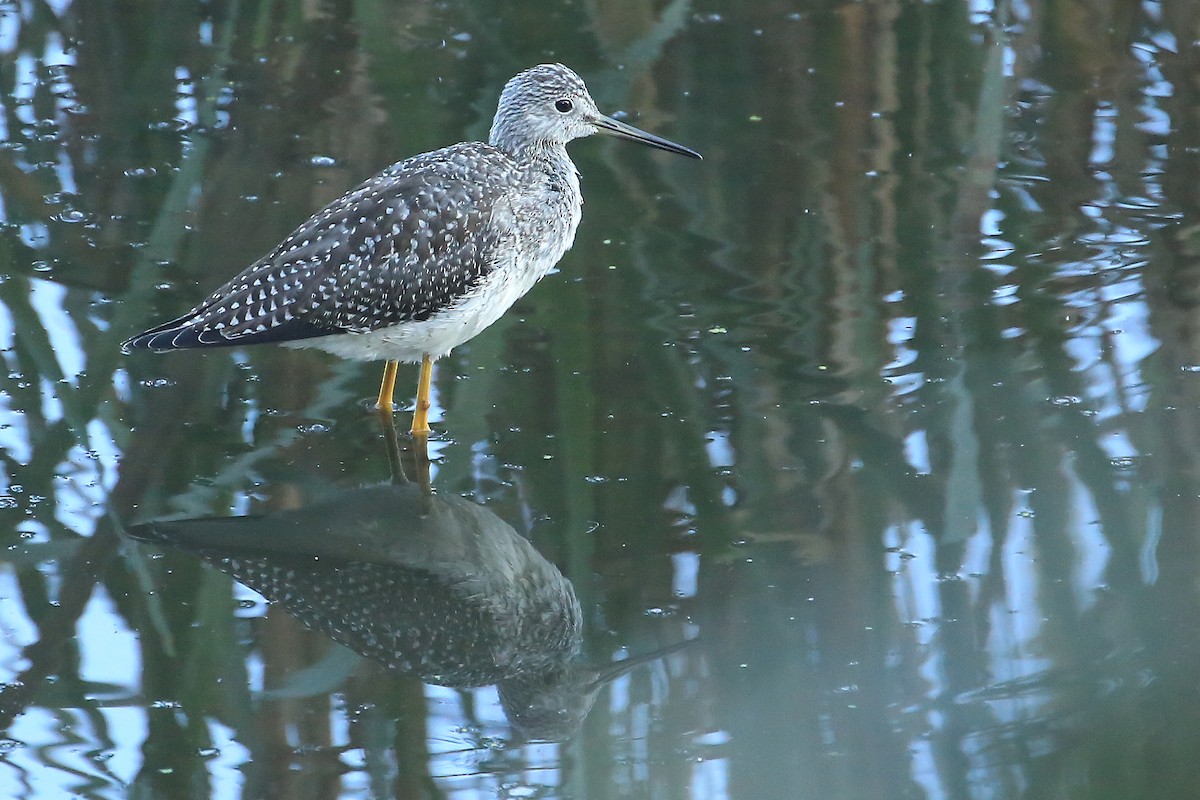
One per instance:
(431, 585)
(424, 255)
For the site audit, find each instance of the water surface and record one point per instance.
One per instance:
(890, 407)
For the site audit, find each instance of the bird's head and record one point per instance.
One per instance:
(550, 105)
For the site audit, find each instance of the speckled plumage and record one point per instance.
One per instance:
(423, 256)
(434, 586)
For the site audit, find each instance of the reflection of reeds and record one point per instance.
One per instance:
(982, 397)
(875, 371)
(197, 176)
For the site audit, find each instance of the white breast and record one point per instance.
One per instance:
(543, 224)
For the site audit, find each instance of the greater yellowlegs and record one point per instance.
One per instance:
(426, 254)
(435, 586)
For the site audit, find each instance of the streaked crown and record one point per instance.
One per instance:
(544, 105)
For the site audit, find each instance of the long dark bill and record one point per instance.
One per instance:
(622, 131)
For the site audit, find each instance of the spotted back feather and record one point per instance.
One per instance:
(400, 247)
(429, 252)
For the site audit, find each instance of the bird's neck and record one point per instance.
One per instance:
(551, 158)
(543, 153)
(545, 158)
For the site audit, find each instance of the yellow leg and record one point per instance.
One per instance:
(420, 455)
(421, 462)
(388, 422)
(388, 388)
(420, 425)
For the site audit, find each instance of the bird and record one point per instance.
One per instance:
(424, 255)
(431, 585)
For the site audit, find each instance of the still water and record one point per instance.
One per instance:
(860, 460)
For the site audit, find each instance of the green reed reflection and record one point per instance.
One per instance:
(892, 407)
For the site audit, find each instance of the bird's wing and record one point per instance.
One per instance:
(395, 249)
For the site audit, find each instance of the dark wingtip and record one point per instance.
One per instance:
(152, 339)
(139, 342)
(168, 337)
(175, 336)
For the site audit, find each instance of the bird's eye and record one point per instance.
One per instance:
(563, 106)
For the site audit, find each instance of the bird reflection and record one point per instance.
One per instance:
(429, 585)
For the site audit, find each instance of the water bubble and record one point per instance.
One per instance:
(45, 130)
(1066, 400)
(323, 161)
(72, 216)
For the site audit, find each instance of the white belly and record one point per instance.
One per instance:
(442, 332)
(546, 229)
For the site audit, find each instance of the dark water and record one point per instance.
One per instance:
(892, 405)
